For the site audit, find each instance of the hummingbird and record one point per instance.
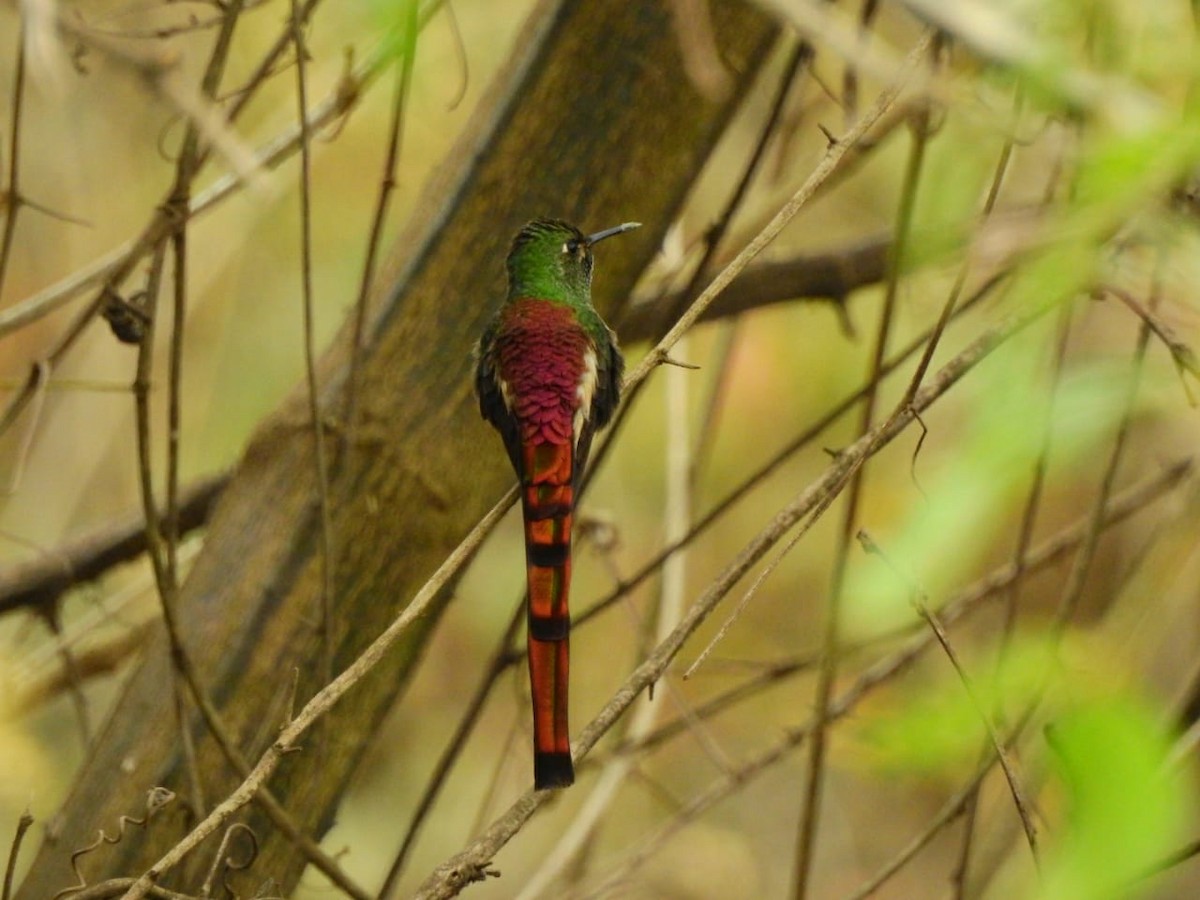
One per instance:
(548, 376)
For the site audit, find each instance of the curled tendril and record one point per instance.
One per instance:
(156, 799)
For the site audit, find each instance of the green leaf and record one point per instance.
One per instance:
(1126, 809)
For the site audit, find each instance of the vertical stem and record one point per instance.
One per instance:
(408, 47)
(310, 364)
(810, 815)
(12, 191)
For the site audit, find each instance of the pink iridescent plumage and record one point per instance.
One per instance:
(541, 362)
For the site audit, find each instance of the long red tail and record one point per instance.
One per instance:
(548, 501)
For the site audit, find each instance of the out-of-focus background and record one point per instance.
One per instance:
(1095, 196)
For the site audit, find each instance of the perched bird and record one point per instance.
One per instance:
(548, 376)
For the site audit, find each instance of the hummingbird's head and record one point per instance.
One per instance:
(552, 260)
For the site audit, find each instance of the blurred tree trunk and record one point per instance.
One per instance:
(594, 120)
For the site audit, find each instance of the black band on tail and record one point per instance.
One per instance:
(552, 770)
(545, 511)
(548, 556)
(549, 628)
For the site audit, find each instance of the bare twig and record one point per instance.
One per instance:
(328, 551)
(41, 582)
(771, 465)
(1002, 580)
(433, 784)
(407, 45)
(323, 701)
(1181, 352)
(119, 262)
(99, 658)
(1076, 578)
(824, 169)
(920, 603)
(950, 811)
(698, 47)
(11, 199)
(115, 887)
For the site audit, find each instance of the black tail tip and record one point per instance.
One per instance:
(552, 770)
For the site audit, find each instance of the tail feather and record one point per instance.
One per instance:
(548, 503)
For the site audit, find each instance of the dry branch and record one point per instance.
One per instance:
(39, 583)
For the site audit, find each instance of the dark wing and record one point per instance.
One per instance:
(610, 371)
(491, 401)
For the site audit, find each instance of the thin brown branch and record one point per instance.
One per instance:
(161, 542)
(698, 48)
(320, 462)
(41, 582)
(669, 309)
(407, 46)
(837, 156)
(498, 662)
(163, 75)
(1073, 589)
(771, 465)
(96, 659)
(989, 205)
(1181, 352)
(951, 810)
(115, 266)
(194, 24)
(920, 603)
(323, 701)
(831, 276)
(824, 170)
(1183, 854)
(1002, 580)
(11, 199)
(659, 315)
(1012, 595)
(115, 887)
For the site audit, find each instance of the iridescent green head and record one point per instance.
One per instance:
(552, 260)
